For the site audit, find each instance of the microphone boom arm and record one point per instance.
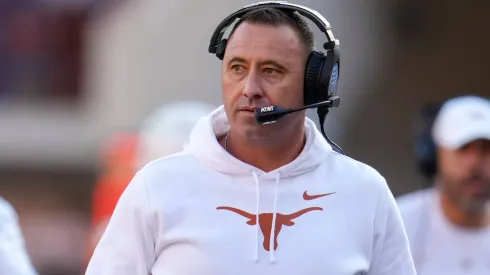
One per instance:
(334, 101)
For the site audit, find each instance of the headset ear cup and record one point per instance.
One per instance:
(220, 49)
(426, 150)
(314, 67)
(427, 157)
(333, 81)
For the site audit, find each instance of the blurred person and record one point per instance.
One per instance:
(448, 224)
(246, 198)
(164, 132)
(118, 159)
(14, 259)
(167, 130)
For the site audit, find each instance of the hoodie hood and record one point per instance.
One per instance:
(203, 144)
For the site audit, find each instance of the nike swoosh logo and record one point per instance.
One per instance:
(313, 197)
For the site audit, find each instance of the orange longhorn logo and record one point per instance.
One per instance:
(265, 222)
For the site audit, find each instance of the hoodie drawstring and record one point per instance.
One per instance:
(272, 257)
(257, 225)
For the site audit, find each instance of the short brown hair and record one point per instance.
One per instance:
(276, 17)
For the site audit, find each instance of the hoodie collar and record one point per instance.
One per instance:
(204, 145)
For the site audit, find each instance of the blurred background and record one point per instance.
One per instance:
(79, 78)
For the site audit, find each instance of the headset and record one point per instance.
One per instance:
(425, 150)
(322, 68)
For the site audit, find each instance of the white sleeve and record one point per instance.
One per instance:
(391, 252)
(14, 259)
(127, 246)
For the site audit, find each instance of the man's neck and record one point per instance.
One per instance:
(461, 218)
(263, 156)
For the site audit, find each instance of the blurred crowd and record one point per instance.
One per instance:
(163, 133)
(447, 220)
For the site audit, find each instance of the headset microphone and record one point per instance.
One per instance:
(271, 114)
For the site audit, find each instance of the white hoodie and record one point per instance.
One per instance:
(204, 212)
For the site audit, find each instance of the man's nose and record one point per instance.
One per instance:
(253, 87)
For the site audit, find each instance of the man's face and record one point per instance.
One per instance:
(263, 65)
(465, 175)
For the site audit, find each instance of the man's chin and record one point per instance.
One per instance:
(256, 132)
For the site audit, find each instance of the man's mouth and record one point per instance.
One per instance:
(248, 109)
(477, 186)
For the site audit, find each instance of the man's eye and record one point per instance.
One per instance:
(236, 68)
(269, 71)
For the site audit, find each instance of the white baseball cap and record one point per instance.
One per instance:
(462, 120)
(167, 129)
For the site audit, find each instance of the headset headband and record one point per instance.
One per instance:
(313, 15)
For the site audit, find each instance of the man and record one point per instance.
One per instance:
(448, 225)
(13, 255)
(245, 198)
